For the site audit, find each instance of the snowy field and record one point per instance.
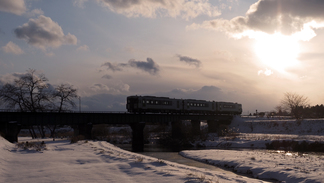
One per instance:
(89, 161)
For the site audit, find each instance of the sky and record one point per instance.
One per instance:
(245, 51)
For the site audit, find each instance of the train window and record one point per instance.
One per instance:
(147, 101)
(152, 101)
(143, 101)
(156, 102)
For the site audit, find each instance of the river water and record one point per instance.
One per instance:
(168, 154)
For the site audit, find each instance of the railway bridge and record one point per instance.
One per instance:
(11, 122)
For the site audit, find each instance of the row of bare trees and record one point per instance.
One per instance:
(31, 92)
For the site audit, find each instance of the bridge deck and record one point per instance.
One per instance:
(51, 118)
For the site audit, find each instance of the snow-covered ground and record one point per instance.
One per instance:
(99, 161)
(96, 161)
(280, 166)
(255, 133)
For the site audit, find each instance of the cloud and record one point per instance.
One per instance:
(106, 76)
(17, 7)
(129, 49)
(225, 55)
(99, 87)
(204, 93)
(43, 32)
(104, 102)
(267, 72)
(116, 87)
(190, 61)
(113, 66)
(270, 16)
(148, 66)
(83, 48)
(34, 13)
(151, 8)
(12, 48)
(79, 3)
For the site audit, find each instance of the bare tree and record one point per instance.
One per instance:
(30, 92)
(295, 104)
(65, 94)
(27, 93)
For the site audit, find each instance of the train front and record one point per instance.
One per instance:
(132, 103)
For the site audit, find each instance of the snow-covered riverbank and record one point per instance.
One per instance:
(96, 161)
(275, 165)
(99, 161)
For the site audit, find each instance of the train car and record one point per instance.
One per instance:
(198, 106)
(143, 104)
(153, 104)
(228, 108)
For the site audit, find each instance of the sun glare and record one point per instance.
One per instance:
(277, 51)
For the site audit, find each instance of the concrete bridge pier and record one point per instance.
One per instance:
(212, 126)
(83, 129)
(195, 127)
(138, 136)
(10, 131)
(176, 129)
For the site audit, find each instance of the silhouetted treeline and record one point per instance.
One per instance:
(316, 111)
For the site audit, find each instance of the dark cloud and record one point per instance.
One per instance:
(122, 4)
(106, 76)
(270, 16)
(17, 7)
(44, 32)
(113, 66)
(190, 61)
(148, 66)
(286, 16)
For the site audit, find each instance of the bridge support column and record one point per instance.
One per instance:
(85, 130)
(11, 131)
(195, 127)
(212, 126)
(138, 136)
(176, 129)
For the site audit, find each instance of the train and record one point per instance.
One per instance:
(153, 104)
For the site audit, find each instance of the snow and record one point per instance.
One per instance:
(96, 161)
(100, 161)
(279, 166)
(255, 133)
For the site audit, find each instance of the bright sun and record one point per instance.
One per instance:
(277, 51)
